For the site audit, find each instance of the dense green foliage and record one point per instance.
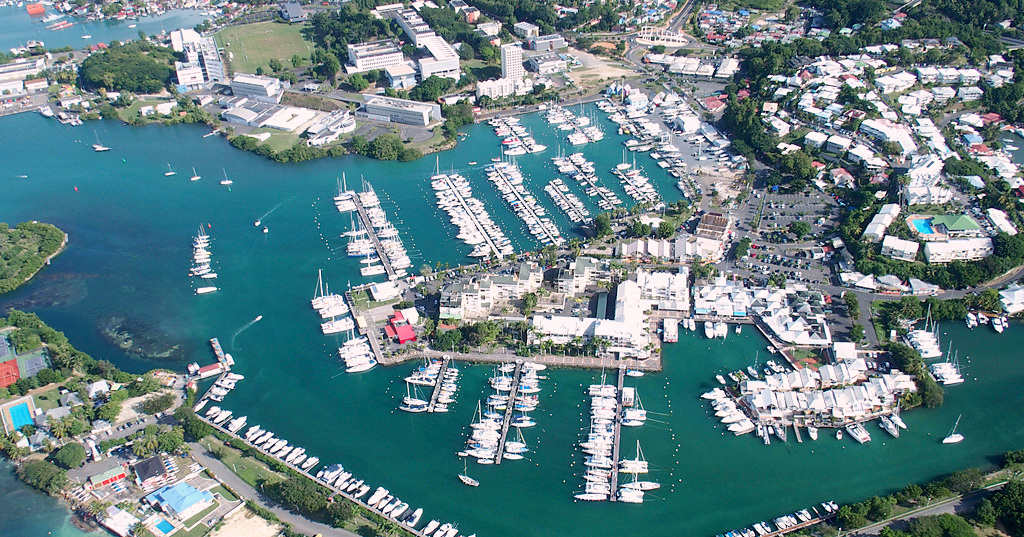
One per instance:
(1009, 507)
(138, 67)
(43, 475)
(159, 403)
(909, 361)
(431, 89)
(310, 499)
(23, 251)
(944, 525)
(69, 455)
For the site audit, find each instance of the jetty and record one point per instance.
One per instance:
(438, 383)
(526, 209)
(617, 437)
(371, 232)
(509, 408)
(480, 228)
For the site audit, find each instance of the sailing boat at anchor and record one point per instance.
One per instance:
(464, 477)
(954, 437)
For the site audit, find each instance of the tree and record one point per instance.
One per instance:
(857, 333)
(157, 404)
(529, 302)
(944, 525)
(43, 475)
(1009, 506)
(69, 456)
(275, 65)
(386, 147)
(799, 228)
(603, 225)
(448, 340)
(296, 61)
(360, 145)
(358, 82)
(852, 305)
(985, 515)
(466, 52)
(665, 230)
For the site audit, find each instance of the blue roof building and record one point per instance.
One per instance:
(181, 500)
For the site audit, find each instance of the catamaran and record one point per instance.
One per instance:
(169, 171)
(954, 437)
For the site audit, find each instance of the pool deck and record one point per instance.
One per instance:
(6, 416)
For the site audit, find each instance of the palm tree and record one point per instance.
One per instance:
(58, 428)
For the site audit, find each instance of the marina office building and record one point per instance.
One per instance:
(400, 110)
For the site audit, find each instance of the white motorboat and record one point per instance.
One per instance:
(812, 431)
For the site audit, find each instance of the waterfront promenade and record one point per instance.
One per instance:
(588, 362)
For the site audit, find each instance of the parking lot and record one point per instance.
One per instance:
(816, 208)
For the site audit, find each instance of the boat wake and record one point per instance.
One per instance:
(266, 214)
(242, 329)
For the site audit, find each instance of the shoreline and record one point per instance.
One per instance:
(46, 260)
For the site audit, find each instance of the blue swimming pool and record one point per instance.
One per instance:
(20, 415)
(165, 526)
(923, 226)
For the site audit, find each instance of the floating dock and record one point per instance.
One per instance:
(510, 406)
(371, 232)
(438, 383)
(472, 216)
(618, 435)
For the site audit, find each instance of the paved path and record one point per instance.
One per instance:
(299, 523)
(956, 505)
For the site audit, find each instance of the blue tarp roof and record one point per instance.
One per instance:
(179, 497)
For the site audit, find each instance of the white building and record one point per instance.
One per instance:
(203, 62)
(21, 69)
(885, 130)
(526, 29)
(667, 290)
(924, 187)
(260, 88)
(400, 76)
(626, 333)
(1001, 221)
(373, 55)
(882, 220)
(503, 87)
(443, 60)
(512, 61)
(547, 64)
(400, 110)
(1012, 299)
(328, 128)
(969, 249)
(898, 248)
(838, 144)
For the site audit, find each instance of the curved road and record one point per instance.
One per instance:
(298, 522)
(954, 506)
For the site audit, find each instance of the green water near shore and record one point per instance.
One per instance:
(130, 230)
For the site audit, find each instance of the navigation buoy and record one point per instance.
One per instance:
(76, 189)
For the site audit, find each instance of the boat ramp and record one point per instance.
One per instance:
(517, 376)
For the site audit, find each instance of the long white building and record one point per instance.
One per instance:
(400, 110)
(373, 55)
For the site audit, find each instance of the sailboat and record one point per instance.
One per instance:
(169, 171)
(465, 478)
(634, 466)
(225, 180)
(954, 437)
(195, 176)
(98, 146)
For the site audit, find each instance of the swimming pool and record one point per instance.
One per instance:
(924, 226)
(164, 526)
(20, 415)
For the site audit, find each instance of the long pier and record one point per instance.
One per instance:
(472, 216)
(438, 383)
(364, 218)
(617, 435)
(509, 408)
(528, 209)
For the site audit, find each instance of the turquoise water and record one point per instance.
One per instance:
(923, 226)
(18, 28)
(20, 415)
(28, 513)
(129, 253)
(165, 526)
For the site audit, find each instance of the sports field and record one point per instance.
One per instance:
(254, 45)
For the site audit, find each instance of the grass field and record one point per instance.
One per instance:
(250, 470)
(254, 45)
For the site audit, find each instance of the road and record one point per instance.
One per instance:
(298, 522)
(957, 505)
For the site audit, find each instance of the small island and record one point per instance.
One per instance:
(25, 249)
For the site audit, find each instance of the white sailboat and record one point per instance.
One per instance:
(169, 171)
(98, 146)
(225, 180)
(465, 478)
(195, 176)
(954, 437)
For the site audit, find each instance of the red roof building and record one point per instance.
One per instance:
(9, 373)
(399, 329)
